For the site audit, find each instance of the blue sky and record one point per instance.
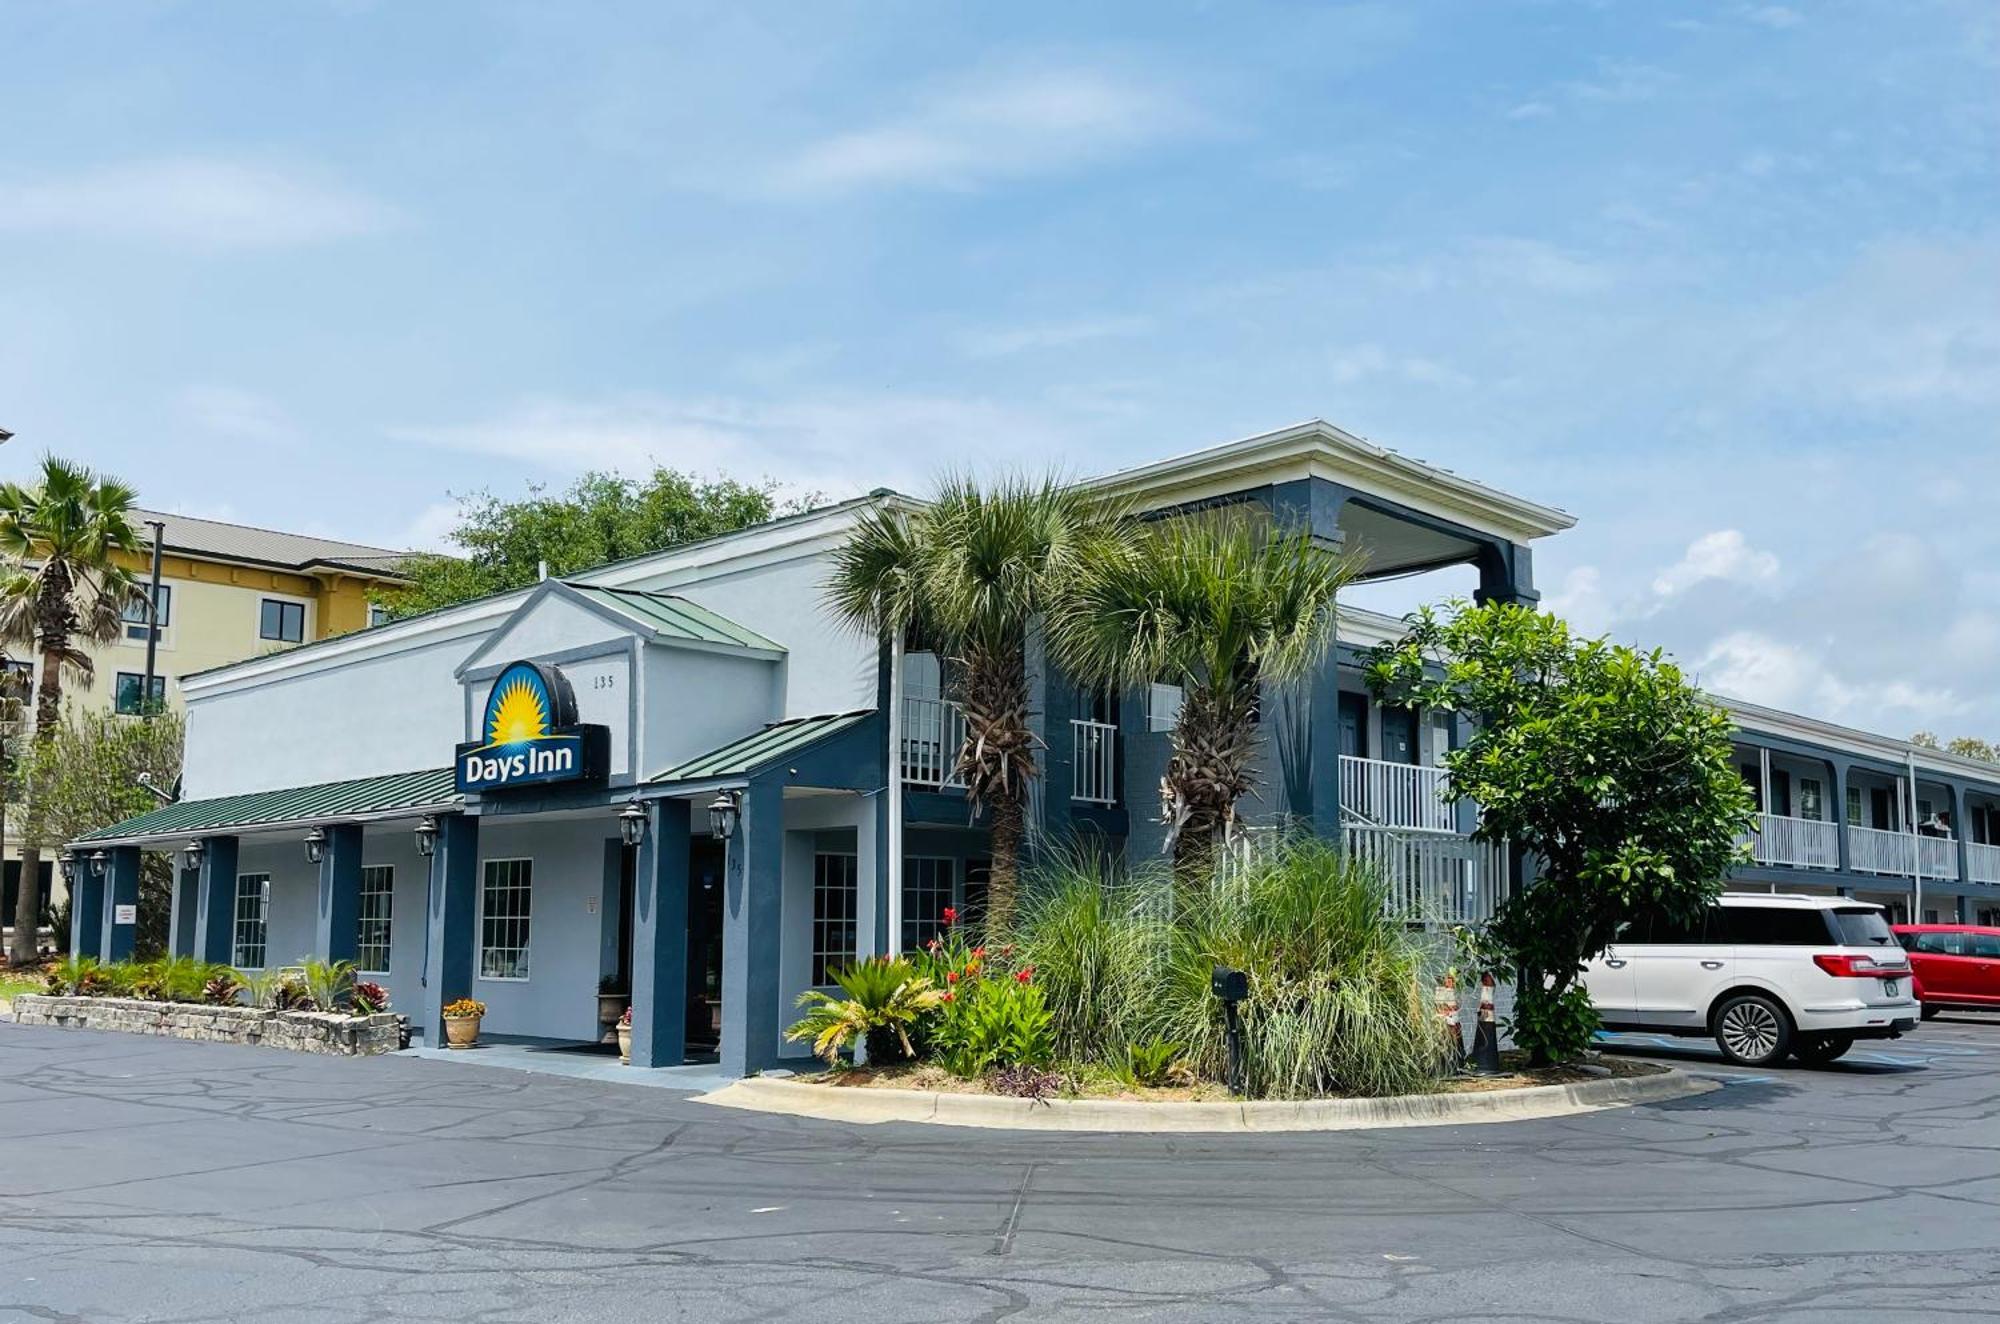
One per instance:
(1722, 280)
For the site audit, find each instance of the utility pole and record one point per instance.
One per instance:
(159, 529)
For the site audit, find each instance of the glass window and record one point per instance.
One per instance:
(1855, 817)
(1863, 928)
(927, 890)
(125, 697)
(377, 614)
(834, 901)
(504, 904)
(1777, 926)
(1983, 944)
(377, 906)
(1812, 800)
(282, 621)
(134, 612)
(1672, 931)
(253, 912)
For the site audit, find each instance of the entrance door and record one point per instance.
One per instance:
(1354, 725)
(704, 994)
(1399, 735)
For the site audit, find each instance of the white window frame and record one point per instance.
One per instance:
(237, 920)
(824, 960)
(526, 949)
(386, 874)
(912, 934)
(133, 628)
(1163, 706)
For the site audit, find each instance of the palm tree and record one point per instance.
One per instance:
(969, 574)
(65, 589)
(1219, 604)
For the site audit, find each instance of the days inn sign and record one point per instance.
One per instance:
(530, 735)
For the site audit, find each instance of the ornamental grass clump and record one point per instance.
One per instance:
(1095, 953)
(1337, 985)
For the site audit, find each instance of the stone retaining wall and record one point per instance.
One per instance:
(300, 1031)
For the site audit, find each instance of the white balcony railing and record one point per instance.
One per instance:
(1398, 795)
(1985, 862)
(1877, 850)
(1802, 843)
(1094, 762)
(933, 735)
(1433, 877)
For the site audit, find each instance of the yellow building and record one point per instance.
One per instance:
(227, 592)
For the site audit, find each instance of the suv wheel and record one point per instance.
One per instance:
(1752, 1030)
(1816, 1050)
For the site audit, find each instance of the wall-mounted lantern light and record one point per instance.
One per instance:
(723, 812)
(632, 822)
(315, 845)
(427, 835)
(67, 861)
(193, 851)
(98, 862)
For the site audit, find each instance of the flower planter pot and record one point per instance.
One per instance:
(461, 1031)
(610, 1006)
(624, 1044)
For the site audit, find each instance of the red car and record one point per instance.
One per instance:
(1957, 965)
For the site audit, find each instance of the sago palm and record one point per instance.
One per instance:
(65, 587)
(969, 574)
(1218, 604)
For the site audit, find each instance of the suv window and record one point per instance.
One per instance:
(1985, 944)
(1664, 930)
(1773, 926)
(1936, 944)
(1862, 928)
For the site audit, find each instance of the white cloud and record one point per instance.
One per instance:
(1724, 554)
(836, 445)
(1363, 362)
(1005, 126)
(1531, 110)
(1581, 600)
(1774, 16)
(241, 415)
(1747, 664)
(196, 202)
(998, 342)
(430, 530)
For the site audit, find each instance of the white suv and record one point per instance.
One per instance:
(1765, 974)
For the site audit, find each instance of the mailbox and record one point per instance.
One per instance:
(1230, 985)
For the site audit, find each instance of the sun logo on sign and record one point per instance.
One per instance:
(519, 713)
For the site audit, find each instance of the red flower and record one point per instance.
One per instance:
(951, 976)
(932, 945)
(979, 952)
(950, 916)
(1023, 976)
(951, 997)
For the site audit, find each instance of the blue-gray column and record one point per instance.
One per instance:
(187, 907)
(215, 911)
(121, 903)
(752, 899)
(1506, 574)
(337, 936)
(1958, 826)
(86, 906)
(1313, 505)
(454, 903)
(660, 939)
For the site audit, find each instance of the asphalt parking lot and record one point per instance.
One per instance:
(159, 1180)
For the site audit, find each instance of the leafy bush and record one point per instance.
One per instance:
(1337, 987)
(1151, 1061)
(75, 976)
(329, 985)
(372, 999)
(991, 1022)
(1026, 1082)
(221, 988)
(885, 997)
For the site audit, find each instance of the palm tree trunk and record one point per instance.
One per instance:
(1208, 771)
(27, 910)
(1003, 884)
(997, 761)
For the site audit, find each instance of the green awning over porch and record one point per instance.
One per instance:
(773, 744)
(433, 788)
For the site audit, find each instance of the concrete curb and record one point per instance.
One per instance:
(872, 1106)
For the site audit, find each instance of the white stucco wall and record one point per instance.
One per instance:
(848, 820)
(692, 702)
(558, 999)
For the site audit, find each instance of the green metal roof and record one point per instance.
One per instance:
(775, 742)
(297, 804)
(675, 617)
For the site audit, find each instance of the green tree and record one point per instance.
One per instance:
(1612, 771)
(601, 517)
(87, 776)
(1966, 747)
(1221, 606)
(65, 588)
(968, 574)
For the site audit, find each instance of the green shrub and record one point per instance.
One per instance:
(1338, 989)
(1152, 1060)
(987, 1023)
(75, 976)
(1094, 957)
(329, 985)
(885, 996)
